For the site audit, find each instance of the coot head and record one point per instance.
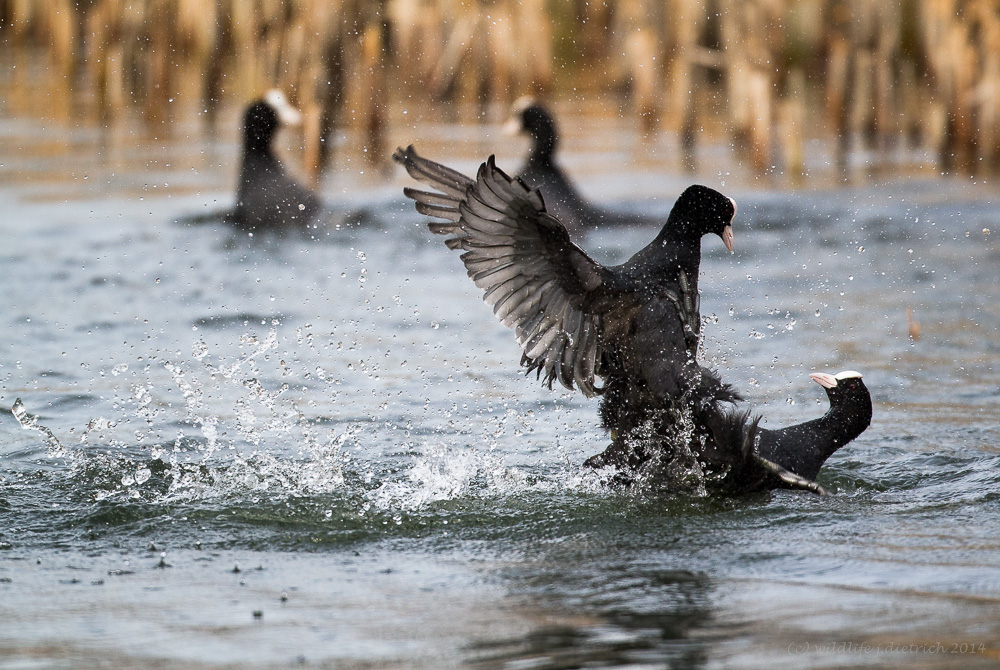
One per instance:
(263, 117)
(534, 119)
(707, 209)
(847, 393)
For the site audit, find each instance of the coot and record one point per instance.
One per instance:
(635, 325)
(569, 312)
(267, 197)
(804, 447)
(541, 171)
(731, 451)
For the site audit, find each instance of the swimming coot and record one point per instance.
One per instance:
(804, 447)
(731, 449)
(636, 325)
(541, 171)
(266, 196)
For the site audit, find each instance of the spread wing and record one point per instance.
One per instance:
(537, 281)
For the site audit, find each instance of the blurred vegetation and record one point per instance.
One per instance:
(874, 74)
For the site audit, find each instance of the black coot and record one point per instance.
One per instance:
(636, 325)
(733, 451)
(267, 198)
(804, 447)
(541, 171)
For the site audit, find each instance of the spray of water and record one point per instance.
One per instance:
(230, 423)
(239, 432)
(30, 422)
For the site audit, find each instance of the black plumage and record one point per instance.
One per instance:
(267, 197)
(734, 452)
(542, 171)
(637, 325)
(804, 447)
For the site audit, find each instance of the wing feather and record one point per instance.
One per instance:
(536, 280)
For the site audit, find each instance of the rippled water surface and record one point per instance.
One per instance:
(318, 451)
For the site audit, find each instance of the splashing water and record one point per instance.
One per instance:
(446, 474)
(30, 422)
(153, 466)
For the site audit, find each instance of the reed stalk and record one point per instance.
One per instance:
(885, 73)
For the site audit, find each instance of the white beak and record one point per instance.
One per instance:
(512, 126)
(825, 380)
(727, 237)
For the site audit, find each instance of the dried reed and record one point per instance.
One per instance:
(885, 73)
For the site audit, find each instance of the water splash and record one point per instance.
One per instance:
(239, 434)
(448, 474)
(234, 415)
(30, 422)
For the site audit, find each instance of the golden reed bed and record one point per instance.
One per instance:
(870, 73)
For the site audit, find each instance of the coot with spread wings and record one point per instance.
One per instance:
(635, 326)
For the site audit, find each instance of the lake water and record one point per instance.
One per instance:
(318, 451)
